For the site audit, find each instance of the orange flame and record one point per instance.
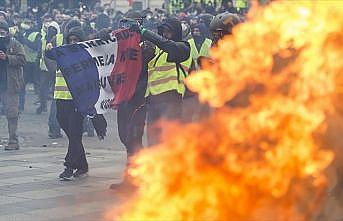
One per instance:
(257, 157)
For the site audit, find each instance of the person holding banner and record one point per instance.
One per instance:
(69, 118)
(131, 114)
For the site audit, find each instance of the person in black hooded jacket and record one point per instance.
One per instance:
(167, 69)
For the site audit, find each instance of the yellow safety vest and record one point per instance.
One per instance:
(176, 6)
(61, 88)
(30, 54)
(206, 2)
(13, 30)
(204, 50)
(241, 4)
(163, 75)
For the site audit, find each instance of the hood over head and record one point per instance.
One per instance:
(174, 26)
(55, 25)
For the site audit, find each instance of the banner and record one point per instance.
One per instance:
(101, 74)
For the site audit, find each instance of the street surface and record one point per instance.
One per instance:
(29, 187)
(31, 191)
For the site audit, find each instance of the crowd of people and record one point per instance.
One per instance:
(174, 40)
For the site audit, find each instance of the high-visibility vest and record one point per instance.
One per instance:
(13, 30)
(164, 76)
(241, 4)
(206, 2)
(61, 88)
(30, 54)
(176, 6)
(204, 50)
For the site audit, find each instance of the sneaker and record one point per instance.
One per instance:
(12, 146)
(67, 174)
(79, 173)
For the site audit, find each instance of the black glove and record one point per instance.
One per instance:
(134, 25)
(104, 34)
(100, 125)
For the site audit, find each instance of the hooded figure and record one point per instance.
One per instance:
(170, 64)
(199, 34)
(52, 30)
(174, 26)
(69, 118)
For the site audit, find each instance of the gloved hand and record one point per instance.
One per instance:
(100, 125)
(104, 34)
(134, 25)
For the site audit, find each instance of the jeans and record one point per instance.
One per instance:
(45, 79)
(131, 121)
(71, 122)
(54, 126)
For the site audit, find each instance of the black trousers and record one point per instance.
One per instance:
(71, 122)
(162, 107)
(131, 121)
(44, 87)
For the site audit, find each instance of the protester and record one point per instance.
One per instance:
(166, 71)
(131, 114)
(12, 61)
(173, 39)
(70, 120)
(31, 39)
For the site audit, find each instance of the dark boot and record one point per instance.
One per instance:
(13, 143)
(126, 183)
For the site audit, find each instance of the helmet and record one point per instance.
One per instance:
(224, 22)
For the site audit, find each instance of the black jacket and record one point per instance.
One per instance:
(178, 50)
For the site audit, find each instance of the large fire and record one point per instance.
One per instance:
(259, 156)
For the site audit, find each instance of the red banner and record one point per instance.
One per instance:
(127, 67)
